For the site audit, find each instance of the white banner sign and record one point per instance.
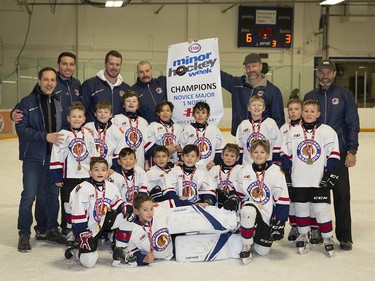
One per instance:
(193, 75)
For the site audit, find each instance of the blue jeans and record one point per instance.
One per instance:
(37, 186)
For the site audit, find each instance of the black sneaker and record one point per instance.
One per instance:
(346, 245)
(40, 235)
(24, 244)
(55, 237)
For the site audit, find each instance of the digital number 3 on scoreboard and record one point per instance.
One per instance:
(269, 27)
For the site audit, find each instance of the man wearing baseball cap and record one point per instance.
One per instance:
(338, 110)
(254, 83)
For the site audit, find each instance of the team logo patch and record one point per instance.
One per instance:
(257, 195)
(253, 136)
(121, 93)
(159, 90)
(130, 193)
(335, 101)
(168, 139)
(133, 137)
(190, 191)
(78, 148)
(76, 92)
(302, 151)
(161, 239)
(105, 148)
(99, 203)
(206, 147)
(225, 185)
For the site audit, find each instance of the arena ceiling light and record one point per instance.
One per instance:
(330, 2)
(113, 4)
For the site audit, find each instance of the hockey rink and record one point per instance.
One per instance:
(46, 261)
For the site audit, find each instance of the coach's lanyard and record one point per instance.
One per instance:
(149, 233)
(260, 182)
(170, 137)
(130, 188)
(309, 145)
(201, 143)
(99, 208)
(226, 187)
(79, 146)
(102, 139)
(134, 131)
(256, 130)
(188, 188)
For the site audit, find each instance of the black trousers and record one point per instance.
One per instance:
(341, 203)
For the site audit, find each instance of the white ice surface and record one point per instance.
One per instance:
(46, 261)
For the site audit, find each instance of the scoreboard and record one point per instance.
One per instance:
(265, 27)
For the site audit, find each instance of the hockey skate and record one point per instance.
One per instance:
(303, 243)
(329, 245)
(70, 253)
(247, 253)
(293, 233)
(315, 236)
(123, 258)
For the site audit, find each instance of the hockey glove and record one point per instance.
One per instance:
(277, 229)
(127, 212)
(231, 203)
(329, 180)
(221, 197)
(87, 243)
(156, 194)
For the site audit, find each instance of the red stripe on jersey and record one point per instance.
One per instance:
(78, 217)
(53, 164)
(148, 145)
(247, 233)
(123, 236)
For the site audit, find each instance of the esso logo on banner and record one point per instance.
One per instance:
(194, 48)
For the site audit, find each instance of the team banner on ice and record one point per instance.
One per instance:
(193, 75)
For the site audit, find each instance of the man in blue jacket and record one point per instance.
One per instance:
(151, 90)
(253, 84)
(339, 110)
(107, 85)
(37, 131)
(68, 88)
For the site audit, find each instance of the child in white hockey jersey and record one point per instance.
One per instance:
(258, 127)
(225, 175)
(70, 160)
(313, 152)
(134, 128)
(158, 175)
(96, 207)
(109, 139)
(262, 187)
(131, 179)
(190, 185)
(206, 137)
(165, 132)
(294, 107)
